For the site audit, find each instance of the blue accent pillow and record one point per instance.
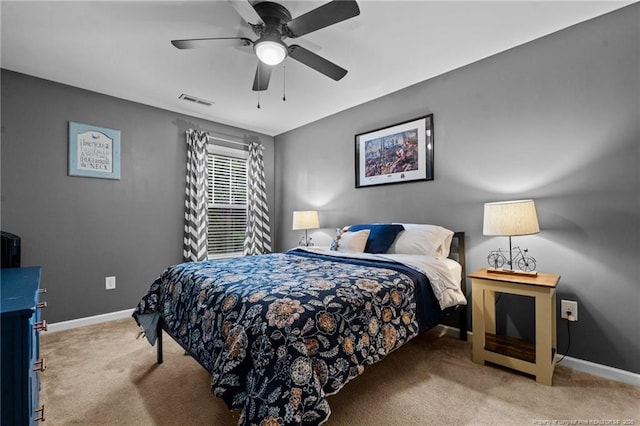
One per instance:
(381, 236)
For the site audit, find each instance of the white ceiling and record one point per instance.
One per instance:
(123, 49)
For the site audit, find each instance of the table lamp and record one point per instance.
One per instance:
(305, 220)
(508, 219)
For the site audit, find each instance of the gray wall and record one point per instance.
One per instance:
(81, 229)
(556, 120)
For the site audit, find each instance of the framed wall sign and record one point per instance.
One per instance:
(94, 151)
(395, 154)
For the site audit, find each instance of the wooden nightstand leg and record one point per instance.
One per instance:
(490, 311)
(545, 313)
(554, 328)
(477, 314)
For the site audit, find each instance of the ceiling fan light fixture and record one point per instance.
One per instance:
(270, 52)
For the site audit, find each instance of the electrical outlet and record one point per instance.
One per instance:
(109, 283)
(569, 306)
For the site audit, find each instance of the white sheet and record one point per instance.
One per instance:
(444, 274)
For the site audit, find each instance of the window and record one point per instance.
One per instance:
(226, 201)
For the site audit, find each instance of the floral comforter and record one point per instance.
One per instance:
(280, 332)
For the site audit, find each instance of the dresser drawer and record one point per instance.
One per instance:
(36, 365)
(20, 345)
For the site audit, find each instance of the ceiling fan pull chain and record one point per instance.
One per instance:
(259, 65)
(284, 82)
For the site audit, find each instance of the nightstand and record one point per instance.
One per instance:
(537, 359)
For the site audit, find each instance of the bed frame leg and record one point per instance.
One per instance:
(462, 321)
(159, 344)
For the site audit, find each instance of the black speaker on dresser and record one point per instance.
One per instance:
(10, 250)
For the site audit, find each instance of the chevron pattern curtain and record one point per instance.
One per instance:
(195, 201)
(258, 236)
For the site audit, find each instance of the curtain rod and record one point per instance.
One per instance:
(226, 140)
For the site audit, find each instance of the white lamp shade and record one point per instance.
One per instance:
(305, 220)
(270, 52)
(508, 218)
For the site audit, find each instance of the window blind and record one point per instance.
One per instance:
(227, 204)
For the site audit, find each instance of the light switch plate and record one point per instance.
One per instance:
(109, 283)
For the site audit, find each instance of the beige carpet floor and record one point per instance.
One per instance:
(101, 374)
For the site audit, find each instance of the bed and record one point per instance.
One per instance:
(280, 332)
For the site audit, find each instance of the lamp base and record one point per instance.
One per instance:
(305, 242)
(512, 272)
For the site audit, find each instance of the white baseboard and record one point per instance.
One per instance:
(96, 319)
(574, 363)
(450, 331)
(601, 370)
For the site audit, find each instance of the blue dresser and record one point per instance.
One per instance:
(20, 326)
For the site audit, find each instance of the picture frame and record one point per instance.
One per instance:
(94, 151)
(399, 153)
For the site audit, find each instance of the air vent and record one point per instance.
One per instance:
(195, 100)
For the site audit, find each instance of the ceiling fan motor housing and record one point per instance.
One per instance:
(274, 16)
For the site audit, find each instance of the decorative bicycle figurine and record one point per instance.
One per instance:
(497, 259)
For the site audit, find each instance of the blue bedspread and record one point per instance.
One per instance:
(280, 332)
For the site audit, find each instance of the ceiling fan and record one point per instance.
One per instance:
(272, 23)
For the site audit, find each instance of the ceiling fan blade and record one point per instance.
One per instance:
(325, 15)
(316, 62)
(194, 43)
(261, 79)
(247, 12)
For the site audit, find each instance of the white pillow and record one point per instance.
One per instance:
(352, 241)
(429, 240)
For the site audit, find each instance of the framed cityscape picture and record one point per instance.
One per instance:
(399, 153)
(94, 151)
